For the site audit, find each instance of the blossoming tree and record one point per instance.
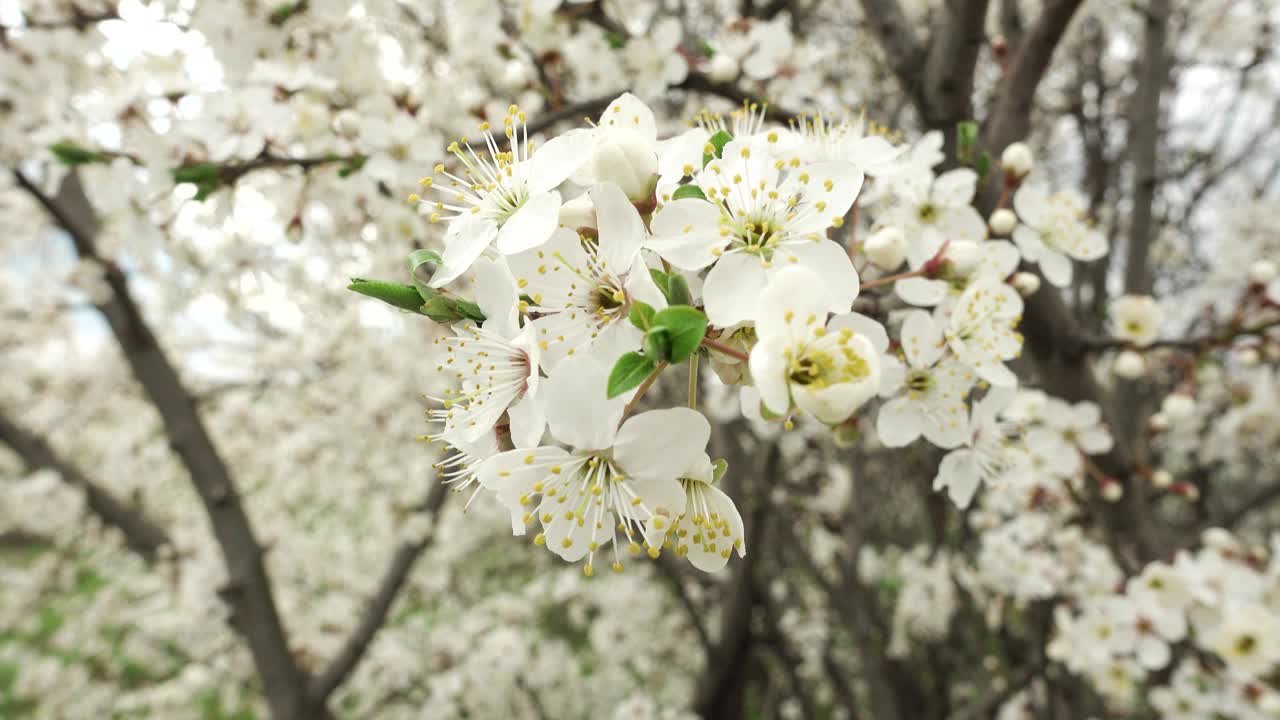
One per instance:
(325, 321)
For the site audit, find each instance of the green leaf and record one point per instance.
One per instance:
(197, 173)
(983, 165)
(719, 467)
(286, 10)
(686, 326)
(352, 166)
(441, 309)
(469, 310)
(630, 370)
(966, 139)
(641, 315)
(673, 286)
(616, 40)
(421, 270)
(677, 289)
(717, 143)
(705, 48)
(688, 191)
(72, 154)
(657, 343)
(405, 297)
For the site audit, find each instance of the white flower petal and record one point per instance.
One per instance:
(531, 225)
(660, 444)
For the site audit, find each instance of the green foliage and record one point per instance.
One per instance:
(282, 12)
(203, 175)
(641, 315)
(717, 142)
(405, 297)
(685, 326)
(73, 155)
(352, 165)
(983, 165)
(421, 267)
(630, 370)
(616, 40)
(673, 286)
(966, 140)
(688, 191)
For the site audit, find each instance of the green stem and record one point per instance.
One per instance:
(693, 381)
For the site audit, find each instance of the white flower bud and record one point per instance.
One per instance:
(1017, 160)
(887, 247)
(1215, 538)
(1159, 422)
(1249, 357)
(964, 257)
(1111, 490)
(1129, 365)
(347, 123)
(1162, 478)
(578, 213)
(1262, 272)
(1178, 406)
(723, 68)
(1026, 283)
(515, 74)
(1003, 221)
(624, 157)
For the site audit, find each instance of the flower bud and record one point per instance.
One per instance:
(964, 257)
(1159, 422)
(1129, 365)
(1111, 490)
(1003, 221)
(1262, 272)
(1249, 357)
(622, 156)
(1178, 406)
(1026, 283)
(1186, 490)
(887, 247)
(1216, 538)
(723, 68)
(1162, 479)
(1017, 160)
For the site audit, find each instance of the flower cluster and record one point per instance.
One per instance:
(605, 255)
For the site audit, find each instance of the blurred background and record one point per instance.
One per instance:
(213, 502)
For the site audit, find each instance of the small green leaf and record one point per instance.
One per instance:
(352, 166)
(197, 173)
(616, 40)
(983, 165)
(630, 370)
(469, 310)
(705, 48)
(657, 343)
(641, 315)
(677, 289)
(719, 467)
(966, 138)
(686, 326)
(688, 191)
(405, 297)
(285, 10)
(421, 268)
(441, 309)
(717, 142)
(72, 154)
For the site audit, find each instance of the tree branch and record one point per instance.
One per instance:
(248, 590)
(902, 49)
(140, 533)
(375, 614)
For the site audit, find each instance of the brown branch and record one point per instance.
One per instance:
(1011, 114)
(248, 589)
(1198, 343)
(140, 533)
(375, 614)
(697, 82)
(670, 570)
